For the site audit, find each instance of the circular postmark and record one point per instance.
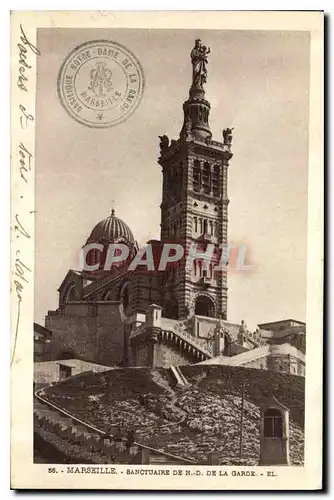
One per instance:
(100, 83)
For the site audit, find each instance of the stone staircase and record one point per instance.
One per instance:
(178, 376)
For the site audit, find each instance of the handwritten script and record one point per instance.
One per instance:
(25, 47)
(22, 270)
(25, 161)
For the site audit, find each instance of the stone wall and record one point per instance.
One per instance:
(141, 355)
(164, 355)
(260, 363)
(90, 334)
(287, 363)
(278, 363)
(39, 350)
(73, 334)
(168, 356)
(46, 372)
(110, 339)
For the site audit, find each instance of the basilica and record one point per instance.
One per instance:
(179, 315)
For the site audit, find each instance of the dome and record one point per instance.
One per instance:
(111, 228)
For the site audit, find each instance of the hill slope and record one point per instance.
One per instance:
(194, 421)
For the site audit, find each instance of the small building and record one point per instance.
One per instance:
(278, 326)
(42, 342)
(287, 331)
(47, 372)
(274, 434)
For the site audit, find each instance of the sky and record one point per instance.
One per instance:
(258, 83)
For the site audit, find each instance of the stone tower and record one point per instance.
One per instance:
(195, 202)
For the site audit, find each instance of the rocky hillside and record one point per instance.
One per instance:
(193, 422)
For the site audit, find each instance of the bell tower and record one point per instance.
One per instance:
(195, 202)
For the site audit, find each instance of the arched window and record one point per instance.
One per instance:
(273, 423)
(204, 307)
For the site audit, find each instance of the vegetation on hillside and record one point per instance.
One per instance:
(196, 421)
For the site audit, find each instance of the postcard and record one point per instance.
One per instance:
(167, 245)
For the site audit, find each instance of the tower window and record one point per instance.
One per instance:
(206, 181)
(216, 180)
(201, 225)
(196, 175)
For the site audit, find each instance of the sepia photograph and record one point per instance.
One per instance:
(170, 313)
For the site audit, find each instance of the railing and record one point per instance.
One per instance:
(179, 329)
(221, 145)
(194, 341)
(101, 432)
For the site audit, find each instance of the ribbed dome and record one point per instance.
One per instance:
(111, 228)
